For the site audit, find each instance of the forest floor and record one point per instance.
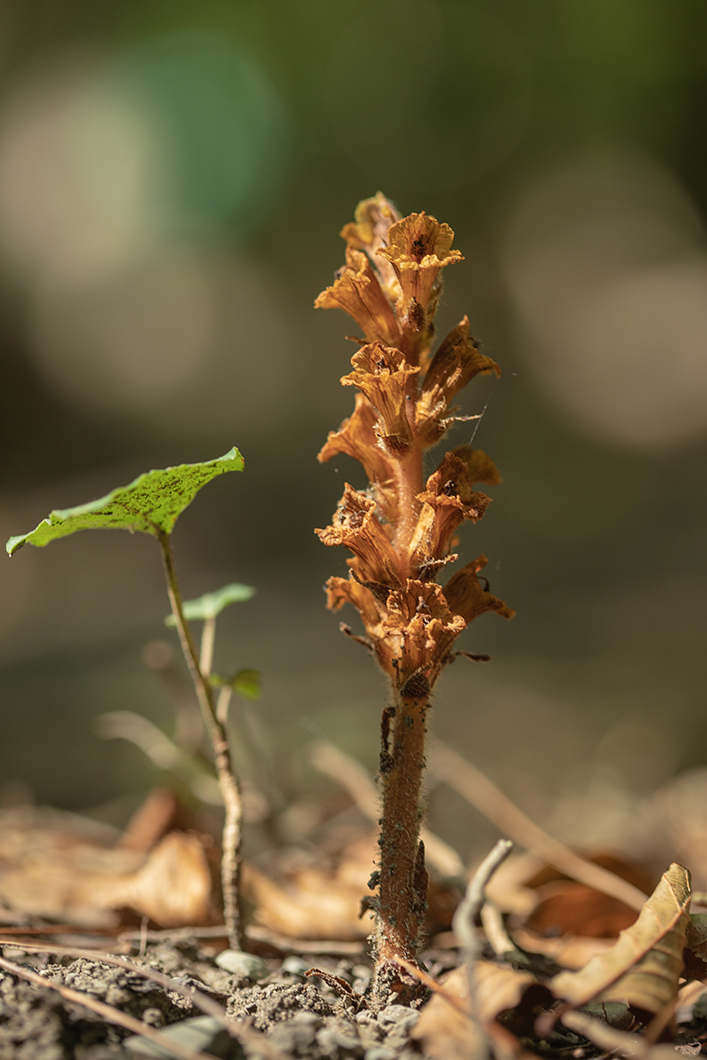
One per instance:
(111, 946)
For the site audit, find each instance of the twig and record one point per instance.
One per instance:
(112, 1015)
(228, 783)
(223, 703)
(257, 934)
(355, 778)
(208, 639)
(432, 984)
(468, 909)
(495, 931)
(605, 1037)
(244, 1033)
(482, 793)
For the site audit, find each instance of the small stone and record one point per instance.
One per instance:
(245, 965)
(296, 1034)
(153, 1017)
(202, 1034)
(294, 965)
(331, 1041)
(393, 1013)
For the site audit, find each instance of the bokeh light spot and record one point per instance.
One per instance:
(606, 262)
(219, 118)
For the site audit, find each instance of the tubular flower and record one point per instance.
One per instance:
(383, 375)
(467, 598)
(419, 247)
(356, 525)
(455, 364)
(357, 291)
(421, 622)
(448, 500)
(369, 233)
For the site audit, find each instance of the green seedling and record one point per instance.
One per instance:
(151, 504)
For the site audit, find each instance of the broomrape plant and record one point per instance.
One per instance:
(401, 529)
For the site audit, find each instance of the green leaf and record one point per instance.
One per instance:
(151, 504)
(212, 604)
(246, 683)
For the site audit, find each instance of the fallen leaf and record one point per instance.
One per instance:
(643, 967)
(173, 887)
(447, 1030)
(567, 907)
(695, 954)
(316, 902)
(60, 867)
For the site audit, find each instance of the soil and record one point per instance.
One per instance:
(301, 1017)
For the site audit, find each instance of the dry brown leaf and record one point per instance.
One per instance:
(567, 951)
(444, 1030)
(58, 866)
(695, 954)
(316, 903)
(643, 967)
(567, 907)
(173, 887)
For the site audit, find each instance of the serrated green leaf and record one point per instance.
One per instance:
(212, 604)
(151, 504)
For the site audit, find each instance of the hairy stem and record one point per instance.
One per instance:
(402, 893)
(227, 780)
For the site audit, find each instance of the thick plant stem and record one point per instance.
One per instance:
(227, 780)
(402, 895)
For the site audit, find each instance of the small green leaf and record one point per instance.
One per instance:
(212, 604)
(151, 504)
(248, 683)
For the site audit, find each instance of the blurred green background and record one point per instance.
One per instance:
(173, 177)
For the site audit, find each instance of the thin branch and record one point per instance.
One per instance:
(496, 934)
(482, 793)
(208, 639)
(223, 703)
(608, 1039)
(468, 908)
(228, 783)
(437, 988)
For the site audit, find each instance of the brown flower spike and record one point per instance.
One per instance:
(401, 530)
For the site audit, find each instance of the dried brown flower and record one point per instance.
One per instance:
(401, 531)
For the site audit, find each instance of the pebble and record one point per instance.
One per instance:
(245, 965)
(296, 1034)
(379, 1052)
(200, 1034)
(330, 1041)
(295, 965)
(394, 1013)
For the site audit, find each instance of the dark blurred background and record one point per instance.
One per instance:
(173, 178)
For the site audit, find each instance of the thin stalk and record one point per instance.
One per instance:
(208, 638)
(402, 896)
(227, 780)
(223, 703)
